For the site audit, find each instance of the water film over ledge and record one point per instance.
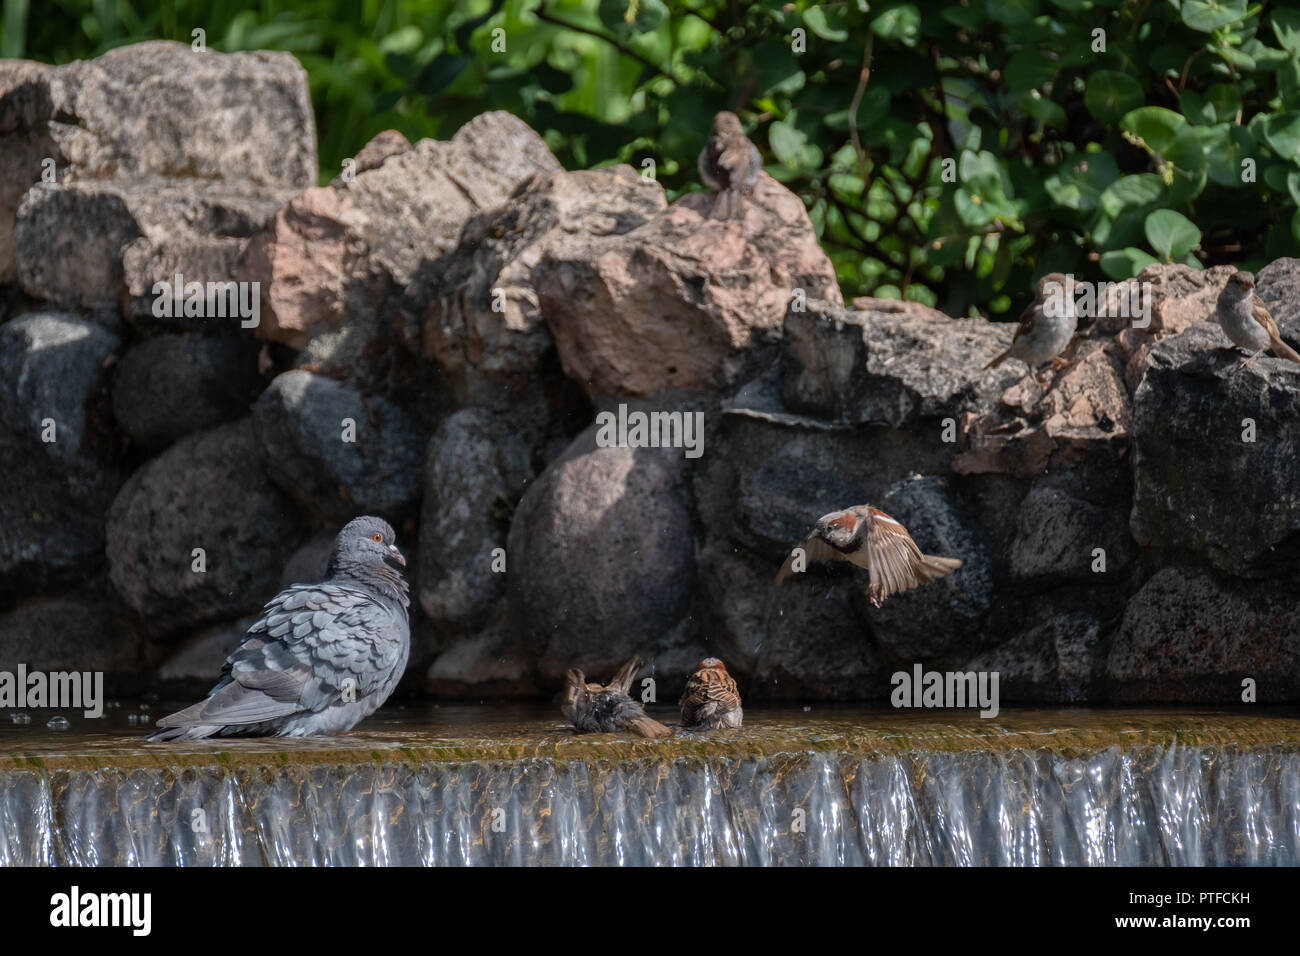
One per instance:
(469, 785)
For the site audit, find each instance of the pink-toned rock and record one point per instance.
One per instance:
(685, 300)
(475, 312)
(388, 143)
(335, 249)
(1085, 411)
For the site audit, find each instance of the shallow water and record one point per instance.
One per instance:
(474, 784)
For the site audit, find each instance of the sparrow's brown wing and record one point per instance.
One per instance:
(622, 681)
(814, 549)
(1278, 346)
(709, 692)
(892, 558)
(1027, 320)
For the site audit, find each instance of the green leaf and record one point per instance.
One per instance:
(1286, 27)
(1171, 234)
(820, 23)
(1208, 15)
(1110, 94)
(629, 17)
(1079, 186)
(1226, 100)
(1282, 133)
(1044, 110)
(1125, 263)
(1156, 126)
(1030, 69)
(901, 23)
(1013, 13)
(1138, 190)
(1225, 147)
(786, 142)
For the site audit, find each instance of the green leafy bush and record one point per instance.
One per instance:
(946, 152)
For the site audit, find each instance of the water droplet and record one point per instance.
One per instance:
(20, 718)
(132, 719)
(144, 706)
(58, 723)
(113, 703)
(806, 708)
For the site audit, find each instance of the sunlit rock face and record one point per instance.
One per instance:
(866, 790)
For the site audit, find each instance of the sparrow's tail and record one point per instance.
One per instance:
(997, 361)
(937, 567)
(1282, 350)
(728, 204)
(648, 727)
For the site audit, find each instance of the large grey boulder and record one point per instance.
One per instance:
(1217, 453)
(337, 452)
(475, 469)
(601, 556)
(75, 632)
(1061, 538)
(109, 243)
(1191, 635)
(156, 110)
(172, 385)
(209, 492)
(60, 452)
(889, 365)
(1054, 661)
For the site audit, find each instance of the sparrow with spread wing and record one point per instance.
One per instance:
(1245, 320)
(871, 539)
(711, 700)
(608, 708)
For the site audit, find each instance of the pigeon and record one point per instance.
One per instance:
(322, 658)
(711, 700)
(1046, 327)
(871, 539)
(607, 709)
(1245, 320)
(728, 164)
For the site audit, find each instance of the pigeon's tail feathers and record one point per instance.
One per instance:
(939, 567)
(183, 732)
(649, 728)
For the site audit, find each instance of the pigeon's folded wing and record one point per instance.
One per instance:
(312, 644)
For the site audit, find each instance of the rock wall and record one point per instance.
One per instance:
(437, 336)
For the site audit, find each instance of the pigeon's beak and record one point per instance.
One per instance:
(397, 555)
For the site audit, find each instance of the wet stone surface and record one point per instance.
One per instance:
(513, 785)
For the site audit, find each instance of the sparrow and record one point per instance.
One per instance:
(1246, 321)
(711, 700)
(607, 709)
(1046, 327)
(729, 164)
(871, 539)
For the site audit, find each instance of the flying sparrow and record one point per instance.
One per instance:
(871, 539)
(711, 700)
(607, 709)
(1246, 321)
(729, 164)
(1046, 327)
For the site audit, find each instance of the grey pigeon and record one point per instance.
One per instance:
(322, 658)
(607, 709)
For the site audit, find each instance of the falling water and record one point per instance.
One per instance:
(836, 791)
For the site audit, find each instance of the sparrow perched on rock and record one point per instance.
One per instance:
(711, 700)
(729, 164)
(1246, 321)
(871, 539)
(322, 658)
(607, 709)
(1046, 327)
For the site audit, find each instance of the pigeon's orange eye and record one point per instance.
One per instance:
(377, 536)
